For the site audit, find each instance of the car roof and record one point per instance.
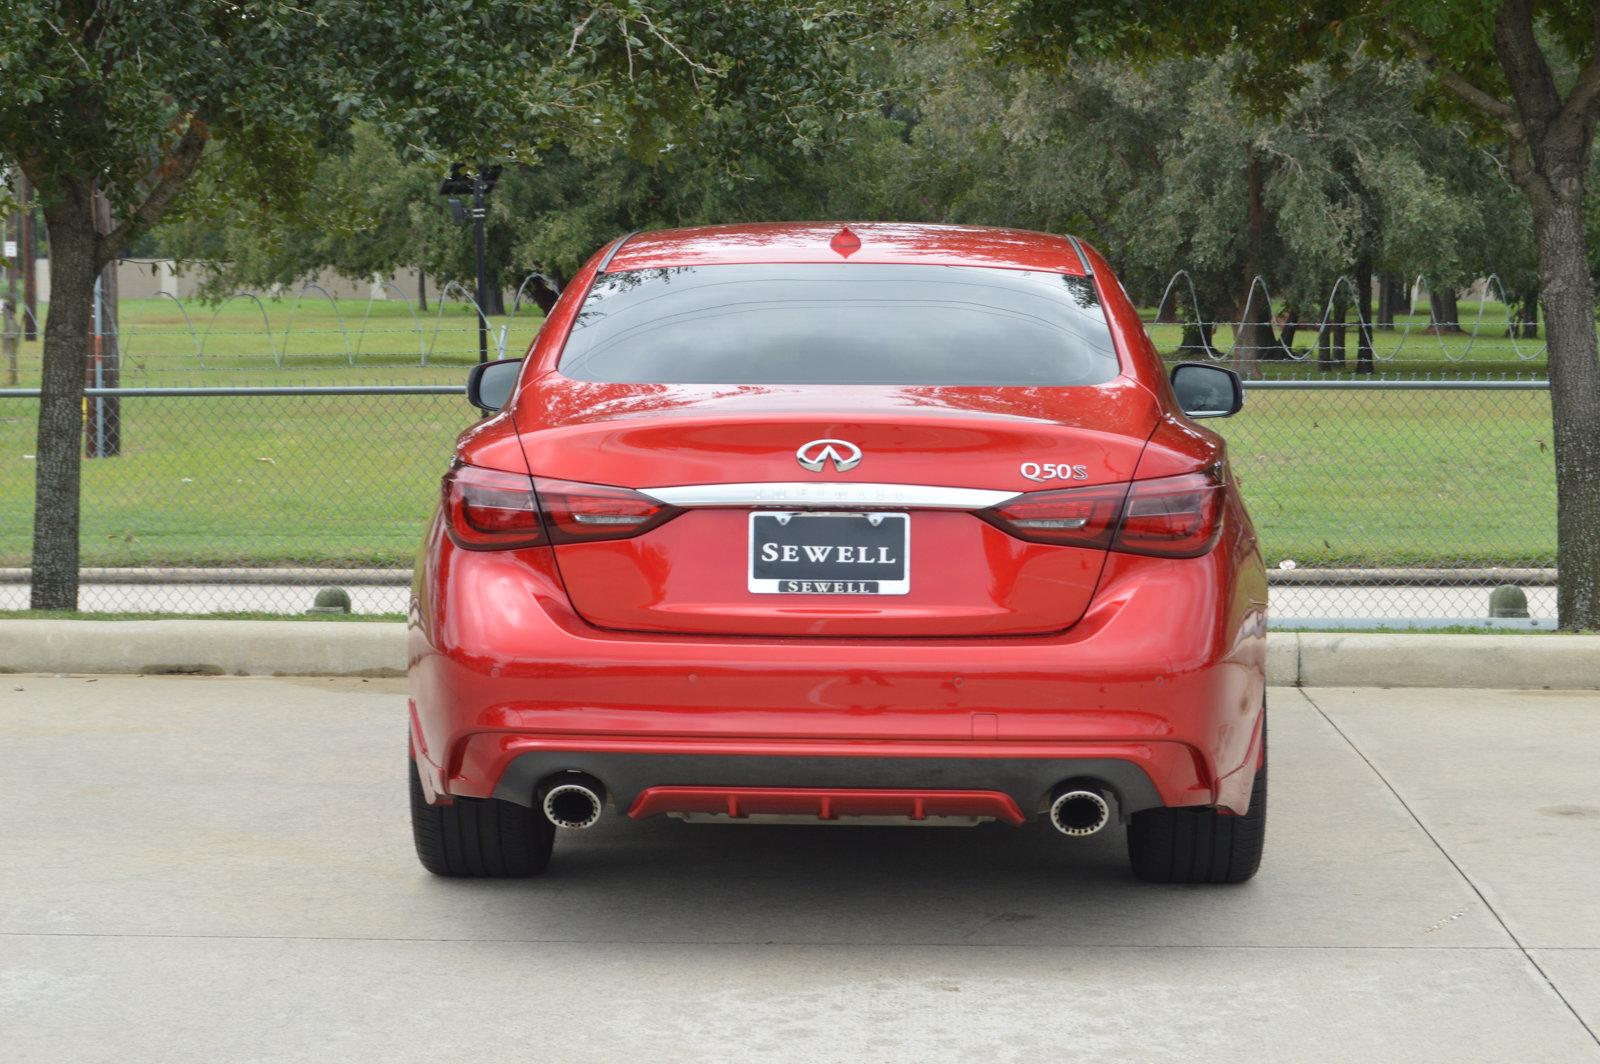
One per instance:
(872, 242)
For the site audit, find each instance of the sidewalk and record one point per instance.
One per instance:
(220, 869)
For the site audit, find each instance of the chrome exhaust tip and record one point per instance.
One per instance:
(576, 805)
(1079, 812)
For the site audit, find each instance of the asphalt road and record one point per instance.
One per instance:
(220, 870)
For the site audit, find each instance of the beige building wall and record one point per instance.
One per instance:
(146, 279)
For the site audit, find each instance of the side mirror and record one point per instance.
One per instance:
(1204, 390)
(489, 384)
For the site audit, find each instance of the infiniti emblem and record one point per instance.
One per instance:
(814, 455)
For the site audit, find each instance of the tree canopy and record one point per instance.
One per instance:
(135, 95)
(1145, 161)
(130, 101)
(1524, 75)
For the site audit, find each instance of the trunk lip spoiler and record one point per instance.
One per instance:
(852, 494)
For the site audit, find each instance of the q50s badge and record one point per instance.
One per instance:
(1051, 471)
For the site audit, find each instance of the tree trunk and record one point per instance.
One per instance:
(1339, 358)
(1443, 311)
(422, 292)
(1388, 298)
(1196, 342)
(1253, 336)
(70, 221)
(1574, 368)
(103, 433)
(1551, 141)
(28, 245)
(1364, 316)
(494, 296)
(545, 295)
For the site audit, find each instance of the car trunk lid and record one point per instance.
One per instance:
(730, 457)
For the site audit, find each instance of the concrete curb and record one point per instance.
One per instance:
(210, 648)
(1542, 661)
(337, 648)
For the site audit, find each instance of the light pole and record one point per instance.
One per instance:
(479, 184)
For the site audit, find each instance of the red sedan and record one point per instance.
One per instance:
(853, 524)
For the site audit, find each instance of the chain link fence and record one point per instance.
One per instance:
(1399, 500)
(1375, 501)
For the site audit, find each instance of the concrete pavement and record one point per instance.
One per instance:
(219, 869)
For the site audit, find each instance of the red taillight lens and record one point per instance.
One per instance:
(1076, 517)
(1174, 517)
(493, 510)
(579, 513)
(488, 509)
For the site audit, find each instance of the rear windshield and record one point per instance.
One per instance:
(840, 323)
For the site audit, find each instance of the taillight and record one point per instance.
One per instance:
(1173, 517)
(493, 510)
(578, 513)
(1075, 517)
(488, 509)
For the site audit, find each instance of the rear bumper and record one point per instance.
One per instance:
(520, 764)
(1156, 692)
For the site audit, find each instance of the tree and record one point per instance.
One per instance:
(1524, 75)
(374, 211)
(135, 100)
(1163, 168)
(360, 217)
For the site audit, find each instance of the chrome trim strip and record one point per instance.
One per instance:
(917, 496)
(605, 262)
(1083, 259)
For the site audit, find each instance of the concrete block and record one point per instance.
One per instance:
(1560, 662)
(260, 648)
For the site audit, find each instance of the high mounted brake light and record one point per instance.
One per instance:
(489, 509)
(1171, 517)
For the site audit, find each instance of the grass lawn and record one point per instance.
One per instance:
(1398, 478)
(274, 481)
(1411, 348)
(1338, 478)
(313, 342)
(330, 480)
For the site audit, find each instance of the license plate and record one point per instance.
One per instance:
(812, 553)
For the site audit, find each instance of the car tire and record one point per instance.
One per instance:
(1201, 845)
(479, 837)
